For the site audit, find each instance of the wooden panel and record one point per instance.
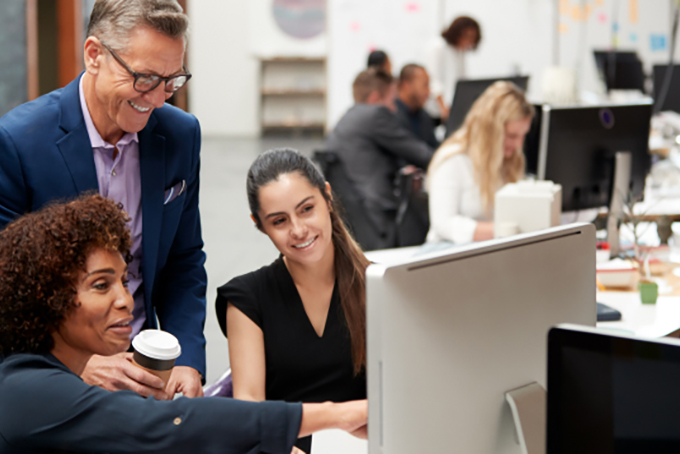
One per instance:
(32, 48)
(181, 98)
(70, 40)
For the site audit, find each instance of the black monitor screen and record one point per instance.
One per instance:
(581, 146)
(467, 92)
(672, 99)
(610, 394)
(620, 70)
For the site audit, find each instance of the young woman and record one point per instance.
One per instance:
(297, 327)
(475, 162)
(64, 298)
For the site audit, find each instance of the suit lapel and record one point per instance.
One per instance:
(75, 146)
(152, 173)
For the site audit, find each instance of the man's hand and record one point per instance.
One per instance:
(116, 373)
(185, 380)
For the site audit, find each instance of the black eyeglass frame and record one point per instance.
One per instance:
(159, 79)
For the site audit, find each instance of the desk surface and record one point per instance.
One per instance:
(337, 442)
(646, 320)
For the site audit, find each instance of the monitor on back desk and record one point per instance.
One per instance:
(450, 332)
(621, 70)
(466, 93)
(575, 147)
(612, 393)
(672, 99)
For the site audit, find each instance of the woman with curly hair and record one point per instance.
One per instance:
(64, 298)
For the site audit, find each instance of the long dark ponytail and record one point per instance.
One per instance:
(350, 263)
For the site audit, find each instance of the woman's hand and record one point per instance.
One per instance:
(350, 416)
(361, 432)
(483, 231)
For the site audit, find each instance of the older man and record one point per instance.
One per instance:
(110, 131)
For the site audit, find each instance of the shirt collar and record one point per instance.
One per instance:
(96, 140)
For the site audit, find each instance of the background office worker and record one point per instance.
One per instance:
(373, 145)
(378, 59)
(413, 90)
(63, 298)
(475, 162)
(297, 327)
(109, 130)
(445, 61)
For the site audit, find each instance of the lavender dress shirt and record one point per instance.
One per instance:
(119, 180)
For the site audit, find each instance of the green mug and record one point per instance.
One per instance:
(649, 292)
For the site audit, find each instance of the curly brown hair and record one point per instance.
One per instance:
(41, 255)
(458, 26)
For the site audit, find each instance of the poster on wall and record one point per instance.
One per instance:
(287, 28)
(301, 19)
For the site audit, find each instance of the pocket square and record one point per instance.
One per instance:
(174, 192)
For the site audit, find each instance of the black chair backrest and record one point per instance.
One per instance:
(354, 211)
(413, 220)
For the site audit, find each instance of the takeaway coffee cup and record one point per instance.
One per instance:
(156, 351)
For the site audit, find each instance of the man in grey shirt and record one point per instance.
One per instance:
(373, 145)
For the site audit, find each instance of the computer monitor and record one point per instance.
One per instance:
(576, 148)
(672, 99)
(612, 393)
(450, 332)
(467, 92)
(620, 70)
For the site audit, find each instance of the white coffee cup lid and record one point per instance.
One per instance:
(157, 344)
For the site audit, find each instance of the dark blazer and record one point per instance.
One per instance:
(46, 408)
(373, 146)
(45, 155)
(418, 122)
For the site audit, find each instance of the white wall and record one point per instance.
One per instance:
(228, 36)
(227, 39)
(224, 88)
(517, 34)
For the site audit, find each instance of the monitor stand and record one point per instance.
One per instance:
(620, 188)
(528, 406)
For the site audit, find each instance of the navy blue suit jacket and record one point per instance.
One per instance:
(45, 155)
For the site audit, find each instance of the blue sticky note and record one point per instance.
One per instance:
(657, 42)
(633, 37)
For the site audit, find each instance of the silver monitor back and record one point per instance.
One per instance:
(450, 333)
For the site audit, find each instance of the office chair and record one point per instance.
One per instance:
(354, 210)
(222, 387)
(413, 218)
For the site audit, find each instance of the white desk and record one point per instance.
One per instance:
(646, 320)
(337, 442)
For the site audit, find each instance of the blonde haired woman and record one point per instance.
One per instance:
(475, 162)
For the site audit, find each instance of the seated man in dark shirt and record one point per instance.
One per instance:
(373, 146)
(413, 92)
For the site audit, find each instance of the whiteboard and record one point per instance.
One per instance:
(518, 35)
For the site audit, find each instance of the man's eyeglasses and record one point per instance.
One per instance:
(145, 83)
